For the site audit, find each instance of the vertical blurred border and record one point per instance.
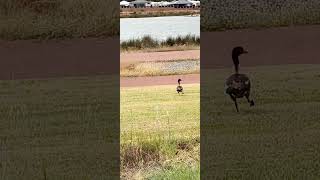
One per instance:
(59, 89)
(275, 139)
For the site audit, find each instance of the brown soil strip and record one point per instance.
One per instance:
(275, 46)
(49, 59)
(134, 57)
(129, 12)
(158, 9)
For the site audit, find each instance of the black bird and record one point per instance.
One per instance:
(179, 87)
(238, 85)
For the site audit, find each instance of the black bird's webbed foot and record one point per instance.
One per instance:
(251, 102)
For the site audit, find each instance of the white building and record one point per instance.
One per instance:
(124, 4)
(174, 3)
(195, 3)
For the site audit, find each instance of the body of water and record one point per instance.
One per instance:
(159, 28)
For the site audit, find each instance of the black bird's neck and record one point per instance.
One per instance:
(235, 59)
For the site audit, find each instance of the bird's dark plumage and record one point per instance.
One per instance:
(179, 87)
(238, 85)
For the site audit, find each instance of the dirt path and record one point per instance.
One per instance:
(274, 46)
(58, 58)
(159, 80)
(133, 57)
(28, 59)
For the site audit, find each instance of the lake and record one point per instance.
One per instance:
(159, 28)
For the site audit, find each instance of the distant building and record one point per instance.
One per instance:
(182, 4)
(139, 3)
(160, 4)
(195, 3)
(147, 3)
(124, 4)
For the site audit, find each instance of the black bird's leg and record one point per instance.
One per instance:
(251, 102)
(235, 102)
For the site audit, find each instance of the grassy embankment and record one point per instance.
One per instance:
(147, 43)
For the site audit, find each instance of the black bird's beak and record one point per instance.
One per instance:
(245, 52)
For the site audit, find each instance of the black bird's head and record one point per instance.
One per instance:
(237, 51)
(179, 80)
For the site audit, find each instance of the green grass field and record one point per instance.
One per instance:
(160, 132)
(64, 128)
(276, 139)
(57, 128)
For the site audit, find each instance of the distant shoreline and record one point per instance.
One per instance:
(156, 12)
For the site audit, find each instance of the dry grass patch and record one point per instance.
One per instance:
(161, 68)
(151, 159)
(163, 49)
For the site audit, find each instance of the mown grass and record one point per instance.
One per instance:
(161, 68)
(64, 128)
(220, 15)
(159, 132)
(275, 139)
(147, 42)
(178, 173)
(56, 19)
